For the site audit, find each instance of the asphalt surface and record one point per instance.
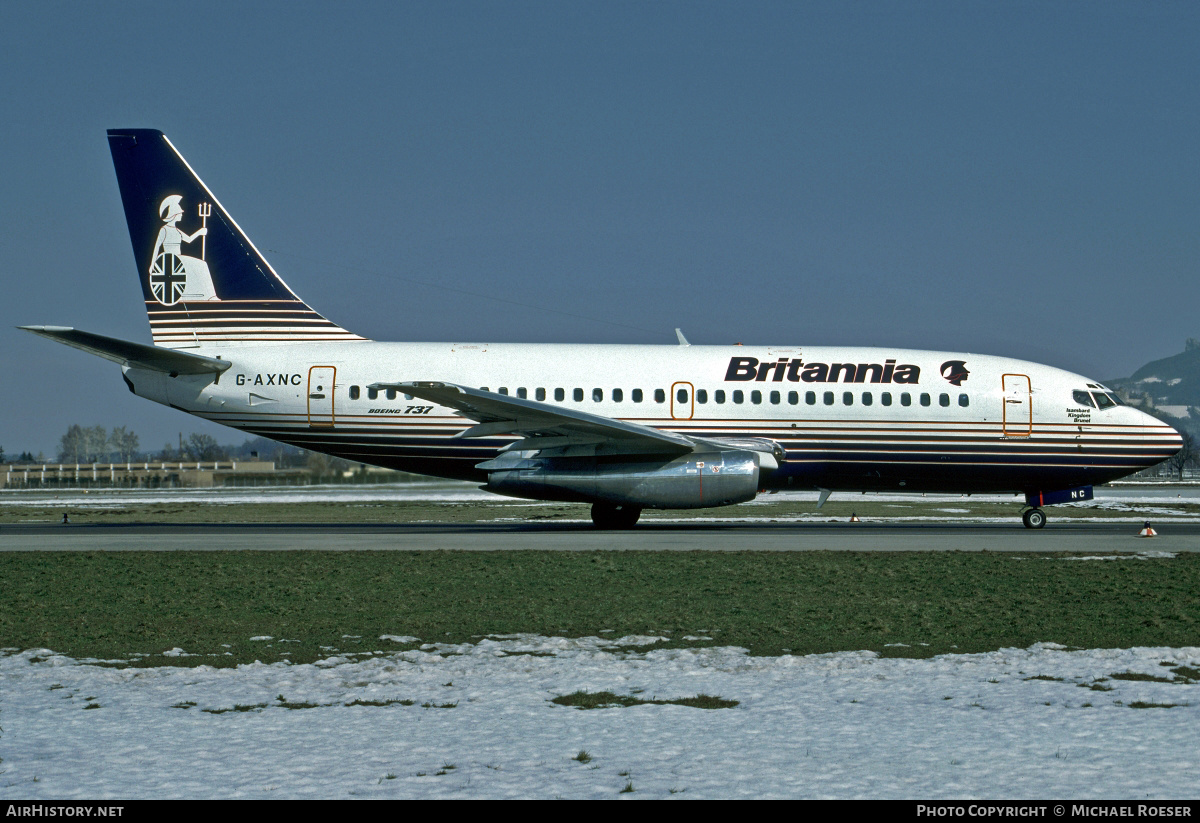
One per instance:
(648, 536)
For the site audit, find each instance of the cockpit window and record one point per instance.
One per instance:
(1103, 401)
(1083, 398)
(1116, 398)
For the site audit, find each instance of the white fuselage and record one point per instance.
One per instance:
(886, 419)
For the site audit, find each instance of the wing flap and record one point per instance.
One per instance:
(542, 425)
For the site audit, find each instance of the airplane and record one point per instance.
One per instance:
(620, 427)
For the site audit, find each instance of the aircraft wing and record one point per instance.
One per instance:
(138, 355)
(542, 425)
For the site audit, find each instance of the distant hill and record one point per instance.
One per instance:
(1168, 388)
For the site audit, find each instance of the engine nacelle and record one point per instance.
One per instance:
(692, 481)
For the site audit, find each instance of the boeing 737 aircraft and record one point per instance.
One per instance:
(622, 427)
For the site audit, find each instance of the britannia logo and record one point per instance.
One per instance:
(955, 371)
(174, 276)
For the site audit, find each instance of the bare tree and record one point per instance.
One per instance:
(123, 444)
(322, 466)
(95, 440)
(318, 465)
(1186, 456)
(204, 447)
(72, 446)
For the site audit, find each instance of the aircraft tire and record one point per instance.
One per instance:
(1034, 518)
(611, 516)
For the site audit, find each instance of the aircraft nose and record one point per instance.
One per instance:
(1162, 440)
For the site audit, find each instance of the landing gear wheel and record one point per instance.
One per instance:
(611, 516)
(1033, 518)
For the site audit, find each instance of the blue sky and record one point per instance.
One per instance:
(1005, 178)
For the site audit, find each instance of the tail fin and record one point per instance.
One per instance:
(204, 282)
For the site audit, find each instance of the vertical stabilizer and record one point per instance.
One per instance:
(204, 282)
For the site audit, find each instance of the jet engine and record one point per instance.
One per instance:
(692, 481)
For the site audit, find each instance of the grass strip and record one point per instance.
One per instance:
(312, 605)
(606, 700)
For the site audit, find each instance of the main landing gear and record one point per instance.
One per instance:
(613, 516)
(1033, 518)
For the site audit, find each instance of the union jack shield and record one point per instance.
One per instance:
(168, 277)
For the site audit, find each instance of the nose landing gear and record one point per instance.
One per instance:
(1033, 518)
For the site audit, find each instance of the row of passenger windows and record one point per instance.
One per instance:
(737, 396)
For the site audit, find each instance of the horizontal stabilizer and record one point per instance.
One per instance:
(137, 355)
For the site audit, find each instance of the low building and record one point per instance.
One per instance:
(145, 474)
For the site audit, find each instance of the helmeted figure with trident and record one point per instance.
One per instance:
(175, 277)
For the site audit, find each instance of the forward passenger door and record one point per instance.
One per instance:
(1018, 406)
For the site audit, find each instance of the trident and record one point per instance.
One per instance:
(205, 213)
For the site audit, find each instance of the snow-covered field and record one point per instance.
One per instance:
(482, 725)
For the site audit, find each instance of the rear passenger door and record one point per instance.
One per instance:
(320, 395)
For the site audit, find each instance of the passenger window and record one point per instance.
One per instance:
(374, 393)
(886, 398)
(597, 395)
(637, 395)
(756, 397)
(481, 388)
(408, 397)
(848, 398)
(775, 398)
(660, 396)
(719, 395)
(354, 392)
(944, 400)
(701, 395)
(577, 395)
(905, 399)
(738, 397)
(502, 390)
(828, 398)
(618, 395)
(681, 395)
(925, 399)
(1082, 398)
(867, 398)
(540, 394)
(391, 394)
(793, 398)
(560, 395)
(810, 398)
(521, 393)
(964, 400)
(1103, 401)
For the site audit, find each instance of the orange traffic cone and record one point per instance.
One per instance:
(1147, 531)
(854, 518)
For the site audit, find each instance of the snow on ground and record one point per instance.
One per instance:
(482, 725)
